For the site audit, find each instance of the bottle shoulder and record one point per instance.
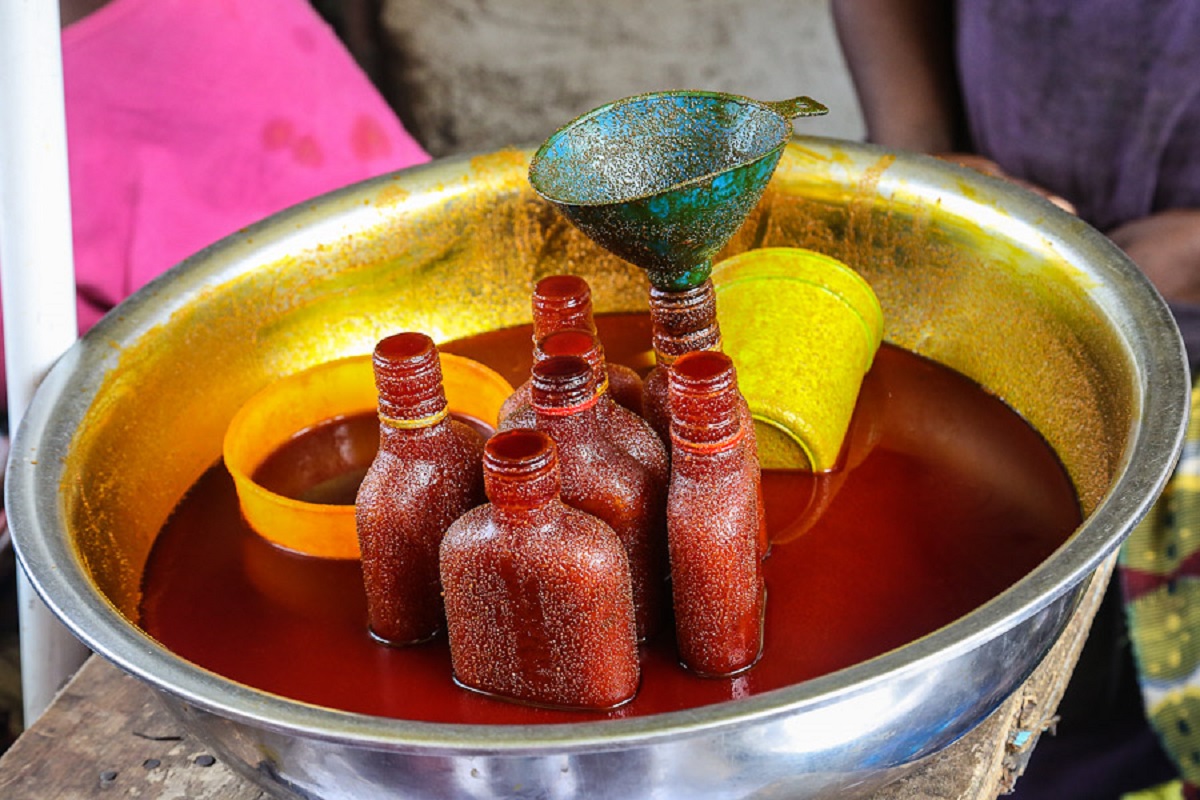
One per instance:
(599, 451)
(555, 532)
(638, 438)
(425, 469)
(728, 464)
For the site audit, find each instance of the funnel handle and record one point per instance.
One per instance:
(797, 107)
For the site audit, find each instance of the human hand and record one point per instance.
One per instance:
(990, 168)
(1166, 246)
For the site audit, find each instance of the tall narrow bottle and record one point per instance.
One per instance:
(539, 604)
(602, 478)
(427, 473)
(681, 323)
(712, 520)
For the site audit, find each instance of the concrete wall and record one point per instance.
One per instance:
(476, 75)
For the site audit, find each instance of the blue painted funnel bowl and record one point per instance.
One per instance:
(664, 180)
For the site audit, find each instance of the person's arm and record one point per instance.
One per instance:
(901, 58)
(1166, 245)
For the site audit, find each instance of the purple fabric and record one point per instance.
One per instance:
(1097, 100)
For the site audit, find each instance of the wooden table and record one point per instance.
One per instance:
(107, 735)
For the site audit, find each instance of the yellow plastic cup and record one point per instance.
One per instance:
(301, 401)
(802, 329)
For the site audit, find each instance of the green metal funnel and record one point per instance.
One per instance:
(663, 180)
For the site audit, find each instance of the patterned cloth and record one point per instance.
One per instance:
(1159, 571)
(1167, 791)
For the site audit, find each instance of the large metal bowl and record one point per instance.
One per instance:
(1025, 299)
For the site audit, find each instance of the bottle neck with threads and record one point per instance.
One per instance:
(563, 386)
(581, 344)
(562, 302)
(706, 412)
(684, 322)
(408, 378)
(520, 472)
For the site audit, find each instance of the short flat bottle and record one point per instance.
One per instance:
(539, 604)
(426, 474)
(601, 477)
(717, 580)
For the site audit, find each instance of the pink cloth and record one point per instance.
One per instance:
(190, 119)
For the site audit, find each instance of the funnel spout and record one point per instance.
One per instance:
(803, 106)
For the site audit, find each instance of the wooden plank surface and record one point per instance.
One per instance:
(107, 735)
